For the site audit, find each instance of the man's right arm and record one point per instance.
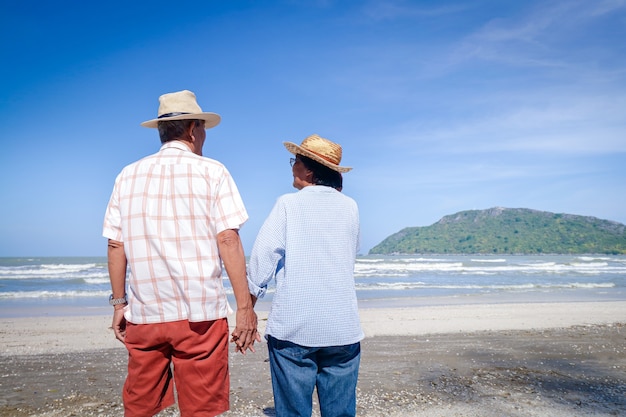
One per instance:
(117, 263)
(232, 254)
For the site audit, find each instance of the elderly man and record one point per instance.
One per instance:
(173, 218)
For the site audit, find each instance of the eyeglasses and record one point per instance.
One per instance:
(292, 161)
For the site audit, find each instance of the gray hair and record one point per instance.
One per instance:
(174, 129)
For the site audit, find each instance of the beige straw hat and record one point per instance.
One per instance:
(182, 105)
(321, 150)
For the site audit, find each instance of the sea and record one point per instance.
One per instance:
(54, 286)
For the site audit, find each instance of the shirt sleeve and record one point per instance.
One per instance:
(112, 228)
(358, 222)
(268, 253)
(230, 210)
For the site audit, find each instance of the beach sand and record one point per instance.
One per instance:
(531, 359)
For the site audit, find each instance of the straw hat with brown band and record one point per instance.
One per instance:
(320, 150)
(182, 105)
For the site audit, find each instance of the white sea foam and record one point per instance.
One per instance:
(52, 271)
(96, 281)
(406, 267)
(68, 267)
(486, 267)
(593, 258)
(486, 260)
(505, 287)
(53, 294)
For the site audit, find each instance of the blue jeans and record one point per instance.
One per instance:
(297, 370)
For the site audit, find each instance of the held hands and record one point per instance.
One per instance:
(245, 333)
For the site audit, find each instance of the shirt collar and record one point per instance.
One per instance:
(176, 144)
(318, 189)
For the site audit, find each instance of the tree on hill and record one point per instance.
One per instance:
(509, 231)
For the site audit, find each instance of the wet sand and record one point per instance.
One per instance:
(544, 359)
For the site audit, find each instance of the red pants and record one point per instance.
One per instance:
(199, 354)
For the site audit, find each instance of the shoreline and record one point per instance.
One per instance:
(68, 333)
(95, 306)
(468, 360)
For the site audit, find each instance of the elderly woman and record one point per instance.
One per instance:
(308, 244)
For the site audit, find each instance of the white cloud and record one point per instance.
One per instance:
(540, 38)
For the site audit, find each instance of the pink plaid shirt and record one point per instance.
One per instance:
(168, 209)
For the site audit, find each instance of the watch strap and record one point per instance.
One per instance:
(117, 301)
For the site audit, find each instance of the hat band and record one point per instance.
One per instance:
(172, 114)
(323, 157)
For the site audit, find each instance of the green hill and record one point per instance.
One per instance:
(509, 231)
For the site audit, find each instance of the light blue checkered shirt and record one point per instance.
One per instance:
(308, 244)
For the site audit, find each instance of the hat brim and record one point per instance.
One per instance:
(210, 119)
(298, 150)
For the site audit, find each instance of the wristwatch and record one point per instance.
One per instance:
(116, 301)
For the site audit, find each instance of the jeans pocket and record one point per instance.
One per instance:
(289, 349)
(347, 351)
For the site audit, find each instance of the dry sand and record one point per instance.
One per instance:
(541, 359)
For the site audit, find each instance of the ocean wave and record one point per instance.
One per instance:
(52, 271)
(494, 261)
(589, 265)
(538, 265)
(453, 275)
(53, 294)
(408, 267)
(97, 281)
(593, 258)
(66, 276)
(49, 268)
(402, 260)
(68, 267)
(488, 268)
(502, 287)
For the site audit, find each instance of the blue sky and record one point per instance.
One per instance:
(440, 106)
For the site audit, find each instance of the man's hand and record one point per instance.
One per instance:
(119, 324)
(245, 333)
(231, 252)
